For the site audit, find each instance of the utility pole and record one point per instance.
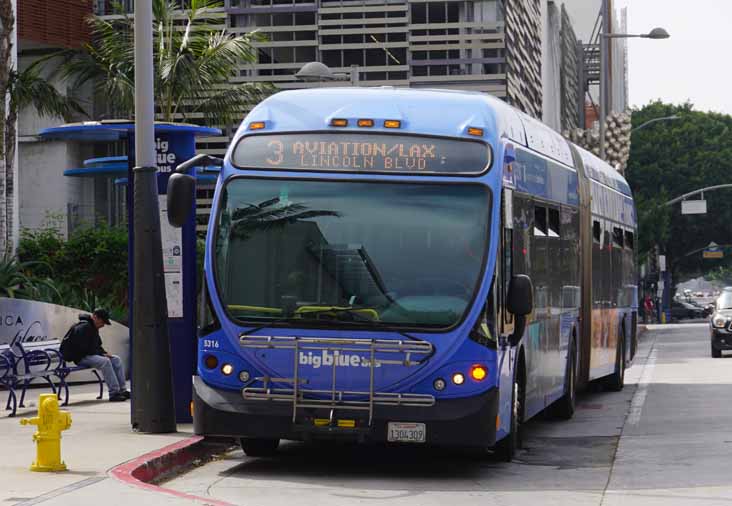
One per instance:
(604, 72)
(153, 408)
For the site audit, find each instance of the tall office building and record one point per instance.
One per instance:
(492, 46)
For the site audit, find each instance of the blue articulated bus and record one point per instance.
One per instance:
(406, 266)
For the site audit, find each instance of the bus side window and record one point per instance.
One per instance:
(207, 320)
(618, 237)
(506, 275)
(629, 240)
(540, 226)
(553, 223)
(506, 262)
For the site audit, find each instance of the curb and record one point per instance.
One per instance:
(144, 471)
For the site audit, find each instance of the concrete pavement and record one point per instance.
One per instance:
(99, 439)
(678, 448)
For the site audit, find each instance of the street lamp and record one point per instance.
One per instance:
(606, 35)
(315, 71)
(665, 118)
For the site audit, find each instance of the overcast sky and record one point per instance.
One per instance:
(694, 64)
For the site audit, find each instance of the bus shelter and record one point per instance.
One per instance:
(174, 144)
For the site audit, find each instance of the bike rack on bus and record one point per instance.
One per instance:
(301, 397)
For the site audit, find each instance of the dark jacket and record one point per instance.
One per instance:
(82, 340)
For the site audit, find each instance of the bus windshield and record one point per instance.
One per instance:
(326, 252)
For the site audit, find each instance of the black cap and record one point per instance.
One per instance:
(103, 315)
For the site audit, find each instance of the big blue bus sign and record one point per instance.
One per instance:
(408, 266)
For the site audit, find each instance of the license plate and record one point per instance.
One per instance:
(400, 432)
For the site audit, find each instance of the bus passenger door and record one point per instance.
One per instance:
(505, 320)
(524, 262)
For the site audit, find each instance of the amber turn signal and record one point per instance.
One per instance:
(368, 123)
(339, 122)
(256, 125)
(478, 372)
(478, 132)
(392, 123)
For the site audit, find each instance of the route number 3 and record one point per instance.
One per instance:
(278, 151)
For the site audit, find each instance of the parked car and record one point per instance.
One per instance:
(681, 310)
(720, 324)
(707, 308)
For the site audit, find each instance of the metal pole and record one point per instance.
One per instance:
(583, 84)
(603, 74)
(153, 408)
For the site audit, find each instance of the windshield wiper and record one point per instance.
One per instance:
(352, 311)
(270, 323)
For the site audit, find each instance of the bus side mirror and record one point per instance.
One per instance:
(520, 302)
(181, 192)
(520, 295)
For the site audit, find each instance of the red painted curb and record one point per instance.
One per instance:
(140, 471)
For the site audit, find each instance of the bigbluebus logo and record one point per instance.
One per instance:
(328, 359)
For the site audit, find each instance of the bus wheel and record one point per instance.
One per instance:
(716, 353)
(564, 407)
(505, 449)
(616, 381)
(259, 447)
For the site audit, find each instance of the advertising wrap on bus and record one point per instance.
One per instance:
(362, 153)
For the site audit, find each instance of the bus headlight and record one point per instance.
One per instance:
(458, 378)
(227, 369)
(244, 376)
(439, 384)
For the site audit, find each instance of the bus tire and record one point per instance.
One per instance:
(616, 381)
(565, 406)
(505, 449)
(259, 447)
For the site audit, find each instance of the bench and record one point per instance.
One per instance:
(24, 363)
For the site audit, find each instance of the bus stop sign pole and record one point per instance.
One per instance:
(153, 408)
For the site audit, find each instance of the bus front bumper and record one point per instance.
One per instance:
(466, 422)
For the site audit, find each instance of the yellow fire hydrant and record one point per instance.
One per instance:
(50, 421)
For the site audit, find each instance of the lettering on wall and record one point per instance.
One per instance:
(21, 330)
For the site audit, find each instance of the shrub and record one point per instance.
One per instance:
(91, 265)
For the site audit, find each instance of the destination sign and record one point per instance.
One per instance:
(356, 152)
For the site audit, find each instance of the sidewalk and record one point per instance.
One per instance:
(99, 439)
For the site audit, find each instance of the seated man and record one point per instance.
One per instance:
(83, 345)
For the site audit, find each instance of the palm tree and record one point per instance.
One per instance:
(23, 89)
(193, 64)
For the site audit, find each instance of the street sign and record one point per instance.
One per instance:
(713, 251)
(693, 207)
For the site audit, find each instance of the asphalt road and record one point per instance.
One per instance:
(665, 439)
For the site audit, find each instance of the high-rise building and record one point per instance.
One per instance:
(491, 46)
